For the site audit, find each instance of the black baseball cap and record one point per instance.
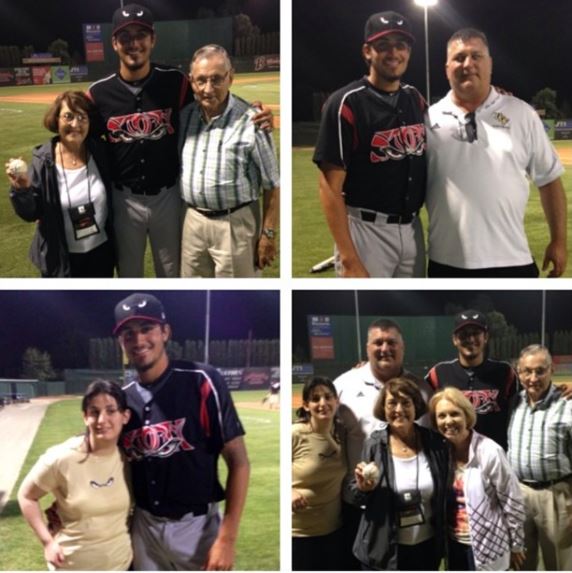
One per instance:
(470, 317)
(131, 14)
(138, 306)
(384, 23)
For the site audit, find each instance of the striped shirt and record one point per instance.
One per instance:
(540, 438)
(227, 160)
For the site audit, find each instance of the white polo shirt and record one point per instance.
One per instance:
(477, 192)
(358, 390)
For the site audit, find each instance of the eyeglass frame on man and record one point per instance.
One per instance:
(215, 81)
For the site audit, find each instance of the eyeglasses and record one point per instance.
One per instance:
(216, 81)
(471, 127)
(68, 117)
(126, 38)
(528, 372)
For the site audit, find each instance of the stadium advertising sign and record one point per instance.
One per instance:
(267, 63)
(93, 42)
(321, 338)
(249, 378)
(563, 129)
(300, 372)
(61, 74)
(42, 75)
(7, 77)
(78, 73)
(23, 76)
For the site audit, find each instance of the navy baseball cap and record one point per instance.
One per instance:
(131, 14)
(470, 318)
(384, 23)
(138, 306)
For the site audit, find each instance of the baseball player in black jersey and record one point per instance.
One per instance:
(371, 156)
(182, 418)
(140, 107)
(488, 384)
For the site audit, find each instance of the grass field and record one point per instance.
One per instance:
(258, 543)
(313, 243)
(22, 130)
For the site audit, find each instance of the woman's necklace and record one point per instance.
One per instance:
(401, 445)
(70, 156)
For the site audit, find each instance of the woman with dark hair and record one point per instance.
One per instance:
(86, 475)
(318, 469)
(67, 192)
(402, 482)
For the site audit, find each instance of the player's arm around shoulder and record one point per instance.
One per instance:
(331, 183)
(222, 554)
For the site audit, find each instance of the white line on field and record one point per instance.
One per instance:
(11, 110)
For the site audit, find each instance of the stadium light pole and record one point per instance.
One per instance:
(425, 4)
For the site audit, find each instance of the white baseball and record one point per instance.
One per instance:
(17, 167)
(370, 472)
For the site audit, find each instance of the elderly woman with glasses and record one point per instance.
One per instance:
(66, 192)
(485, 508)
(402, 482)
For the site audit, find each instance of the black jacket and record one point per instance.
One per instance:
(41, 203)
(376, 541)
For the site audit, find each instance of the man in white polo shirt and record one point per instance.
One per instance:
(481, 146)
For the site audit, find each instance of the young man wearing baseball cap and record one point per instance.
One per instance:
(371, 156)
(140, 107)
(488, 384)
(182, 418)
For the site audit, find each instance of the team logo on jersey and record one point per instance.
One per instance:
(157, 441)
(501, 118)
(484, 401)
(150, 125)
(397, 143)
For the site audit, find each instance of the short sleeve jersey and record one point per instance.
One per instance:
(173, 440)
(380, 146)
(489, 387)
(141, 124)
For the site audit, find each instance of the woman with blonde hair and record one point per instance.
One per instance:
(486, 509)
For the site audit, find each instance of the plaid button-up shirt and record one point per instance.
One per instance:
(226, 161)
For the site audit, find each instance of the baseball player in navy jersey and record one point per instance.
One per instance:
(488, 384)
(182, 418)
(371, 156)
(140, 106)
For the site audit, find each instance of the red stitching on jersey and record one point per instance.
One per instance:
(204, 413)
(348, 115)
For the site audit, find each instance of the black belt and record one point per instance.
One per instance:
(220, 213)
(195, 509)
(370, 217)
(140, 190)
(544, 484)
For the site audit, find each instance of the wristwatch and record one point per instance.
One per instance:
(270, 233)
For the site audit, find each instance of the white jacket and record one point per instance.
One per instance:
(495, 505)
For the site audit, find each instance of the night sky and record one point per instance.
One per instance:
(521, 309)
(530, 42)
(39, 22)
(58, 321)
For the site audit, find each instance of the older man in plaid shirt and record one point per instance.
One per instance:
(227, 164)
(540, 452)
